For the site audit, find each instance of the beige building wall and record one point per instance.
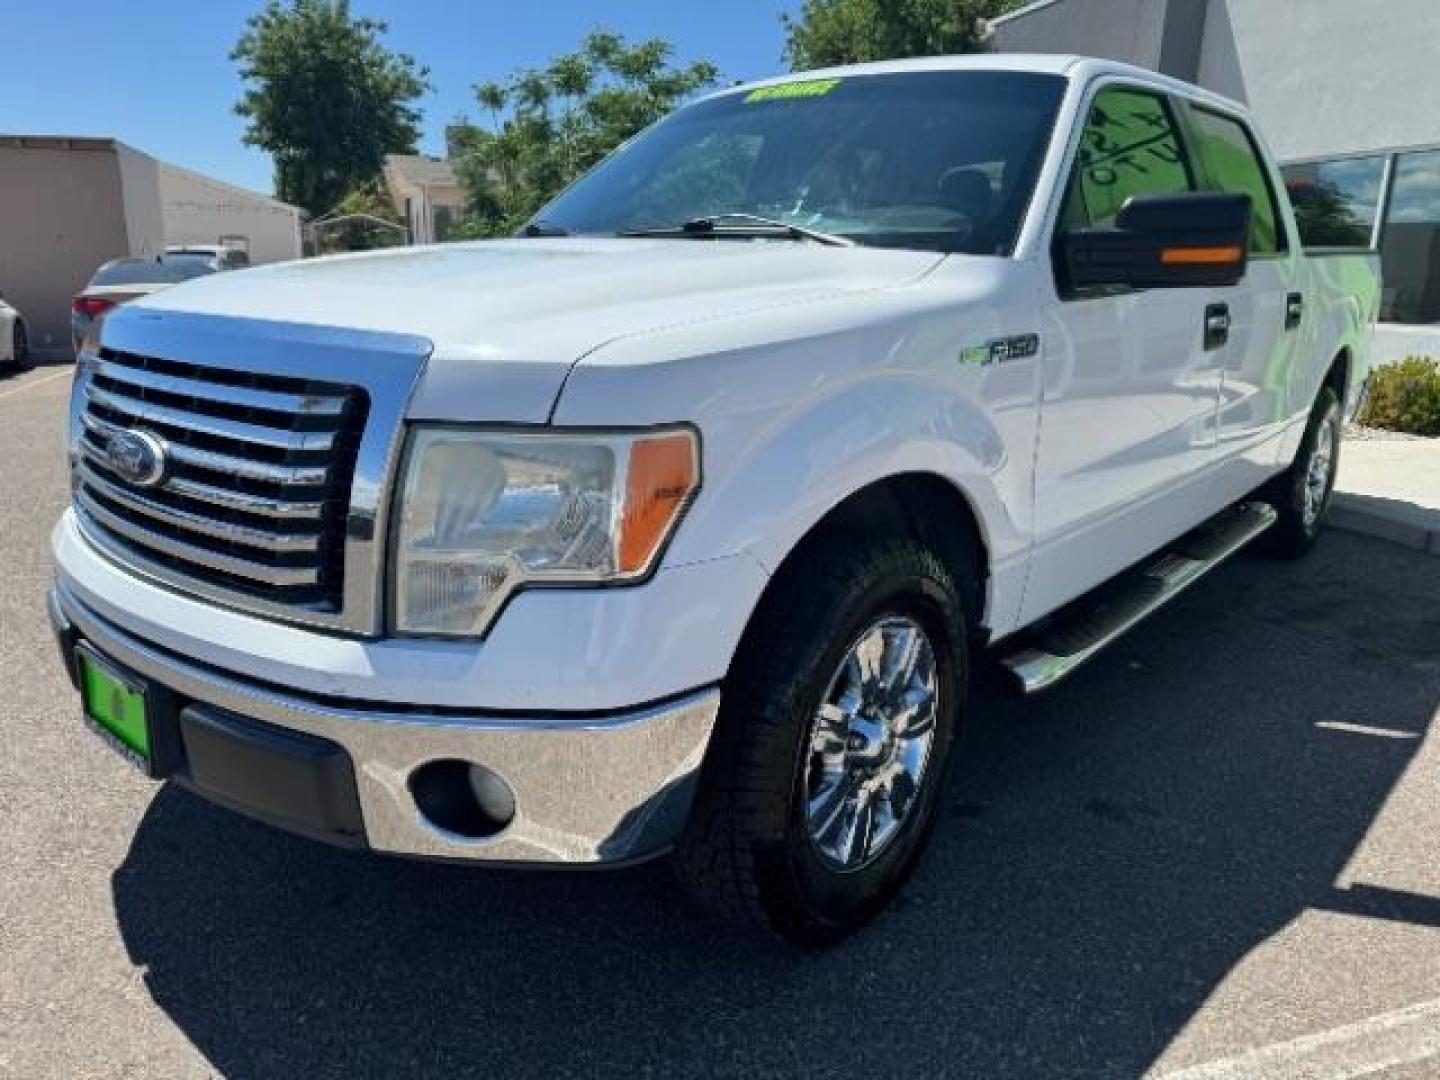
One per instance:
(62, 214)
(140, 196)
(199, 210)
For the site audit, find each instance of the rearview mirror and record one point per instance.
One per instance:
(1161, 242)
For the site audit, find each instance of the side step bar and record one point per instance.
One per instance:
(1081, 630)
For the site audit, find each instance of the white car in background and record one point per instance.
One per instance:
(14, 341)
(229, 256)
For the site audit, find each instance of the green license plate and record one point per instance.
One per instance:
(115, 706)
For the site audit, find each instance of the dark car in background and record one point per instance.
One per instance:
(120, 280)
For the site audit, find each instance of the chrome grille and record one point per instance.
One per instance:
(256, 492)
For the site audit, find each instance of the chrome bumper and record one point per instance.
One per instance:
(587, 790)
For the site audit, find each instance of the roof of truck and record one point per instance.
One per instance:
(1082, 68)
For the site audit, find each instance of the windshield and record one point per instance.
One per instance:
(941, 160)
(166, 270)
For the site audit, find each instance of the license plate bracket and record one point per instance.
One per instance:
(131, 713)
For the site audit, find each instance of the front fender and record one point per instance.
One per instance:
(793, 424)
(798, 469)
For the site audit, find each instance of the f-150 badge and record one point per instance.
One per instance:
(1001, 350)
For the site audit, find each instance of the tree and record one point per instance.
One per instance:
(1324, 218)
(325, 98)
(548, 125)
(829, 32)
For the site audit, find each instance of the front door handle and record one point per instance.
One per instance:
(1217, 326)
(1294, 310)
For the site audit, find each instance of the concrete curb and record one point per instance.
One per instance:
(1387, 519)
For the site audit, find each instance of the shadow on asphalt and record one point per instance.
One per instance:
(11, 375)
(1108, 853)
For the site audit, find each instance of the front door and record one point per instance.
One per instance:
(1128, 414)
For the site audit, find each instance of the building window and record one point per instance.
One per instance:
(1336, 202)
(1410, 246)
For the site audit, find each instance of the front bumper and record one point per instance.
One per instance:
(610, 788)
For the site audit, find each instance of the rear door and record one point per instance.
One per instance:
(1267, 309)
(1131, 386)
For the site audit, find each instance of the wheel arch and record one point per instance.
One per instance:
(1340, 371)
(916, 504)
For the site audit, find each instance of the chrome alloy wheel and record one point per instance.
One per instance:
(870, 743)
(1318, 472)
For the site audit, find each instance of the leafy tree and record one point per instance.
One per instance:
(325, 98)
(831, 32)
(1324, 218)
(548, 125)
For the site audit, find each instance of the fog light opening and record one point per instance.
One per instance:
(463, 798)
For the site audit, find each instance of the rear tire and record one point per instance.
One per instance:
(1302, 493)
(808, 817)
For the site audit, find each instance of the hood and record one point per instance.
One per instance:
(508, 319)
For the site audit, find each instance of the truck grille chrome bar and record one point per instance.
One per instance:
(254, 487)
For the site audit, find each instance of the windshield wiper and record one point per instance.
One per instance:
(541, 227)
(742, 225)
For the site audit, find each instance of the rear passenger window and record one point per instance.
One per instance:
(1232, 164)
(1130, 146)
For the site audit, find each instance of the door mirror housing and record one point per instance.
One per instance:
(1161, 242)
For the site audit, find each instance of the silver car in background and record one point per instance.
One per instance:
(120, 280)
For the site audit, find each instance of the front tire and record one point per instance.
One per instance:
(1302, 493)
(834, 737)
(20, 347)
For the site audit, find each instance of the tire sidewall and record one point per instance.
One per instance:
(836, 901)
(20, 346)
(1327, 404)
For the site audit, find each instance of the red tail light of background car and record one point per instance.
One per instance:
(93, 306)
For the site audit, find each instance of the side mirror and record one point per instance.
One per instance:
(1161, 242)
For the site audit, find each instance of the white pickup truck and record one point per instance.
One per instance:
(677, 524)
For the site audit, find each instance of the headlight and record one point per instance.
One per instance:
(485, 513)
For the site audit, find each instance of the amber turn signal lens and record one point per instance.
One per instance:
(663, 474)
(1200, 256)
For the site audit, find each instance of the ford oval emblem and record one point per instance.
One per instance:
(137, 457)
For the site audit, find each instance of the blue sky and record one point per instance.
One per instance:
(156, 73)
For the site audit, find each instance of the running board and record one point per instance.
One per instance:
(1081, 630)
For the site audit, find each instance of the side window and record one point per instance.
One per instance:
(1232, 164)
(1130, 146)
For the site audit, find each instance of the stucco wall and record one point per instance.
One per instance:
(61, 216)
(197, 210)
(1160, 34)
(140, 196)
(1324, 77)
(1329, 77)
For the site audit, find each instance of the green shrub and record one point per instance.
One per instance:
(1405, 397)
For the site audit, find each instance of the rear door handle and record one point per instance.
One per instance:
(1294, 310)
(1217, 325)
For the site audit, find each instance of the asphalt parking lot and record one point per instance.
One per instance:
(1213, 854)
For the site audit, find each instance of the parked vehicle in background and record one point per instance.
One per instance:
(231, 257)
(122, 280)
(14, 339)
(677, 524)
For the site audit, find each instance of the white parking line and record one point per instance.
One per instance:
(1365, 1048)
(1366, 729)
(67, 373)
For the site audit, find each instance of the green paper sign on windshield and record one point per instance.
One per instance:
(788, 91)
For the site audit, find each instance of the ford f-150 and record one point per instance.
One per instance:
(676, 524)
